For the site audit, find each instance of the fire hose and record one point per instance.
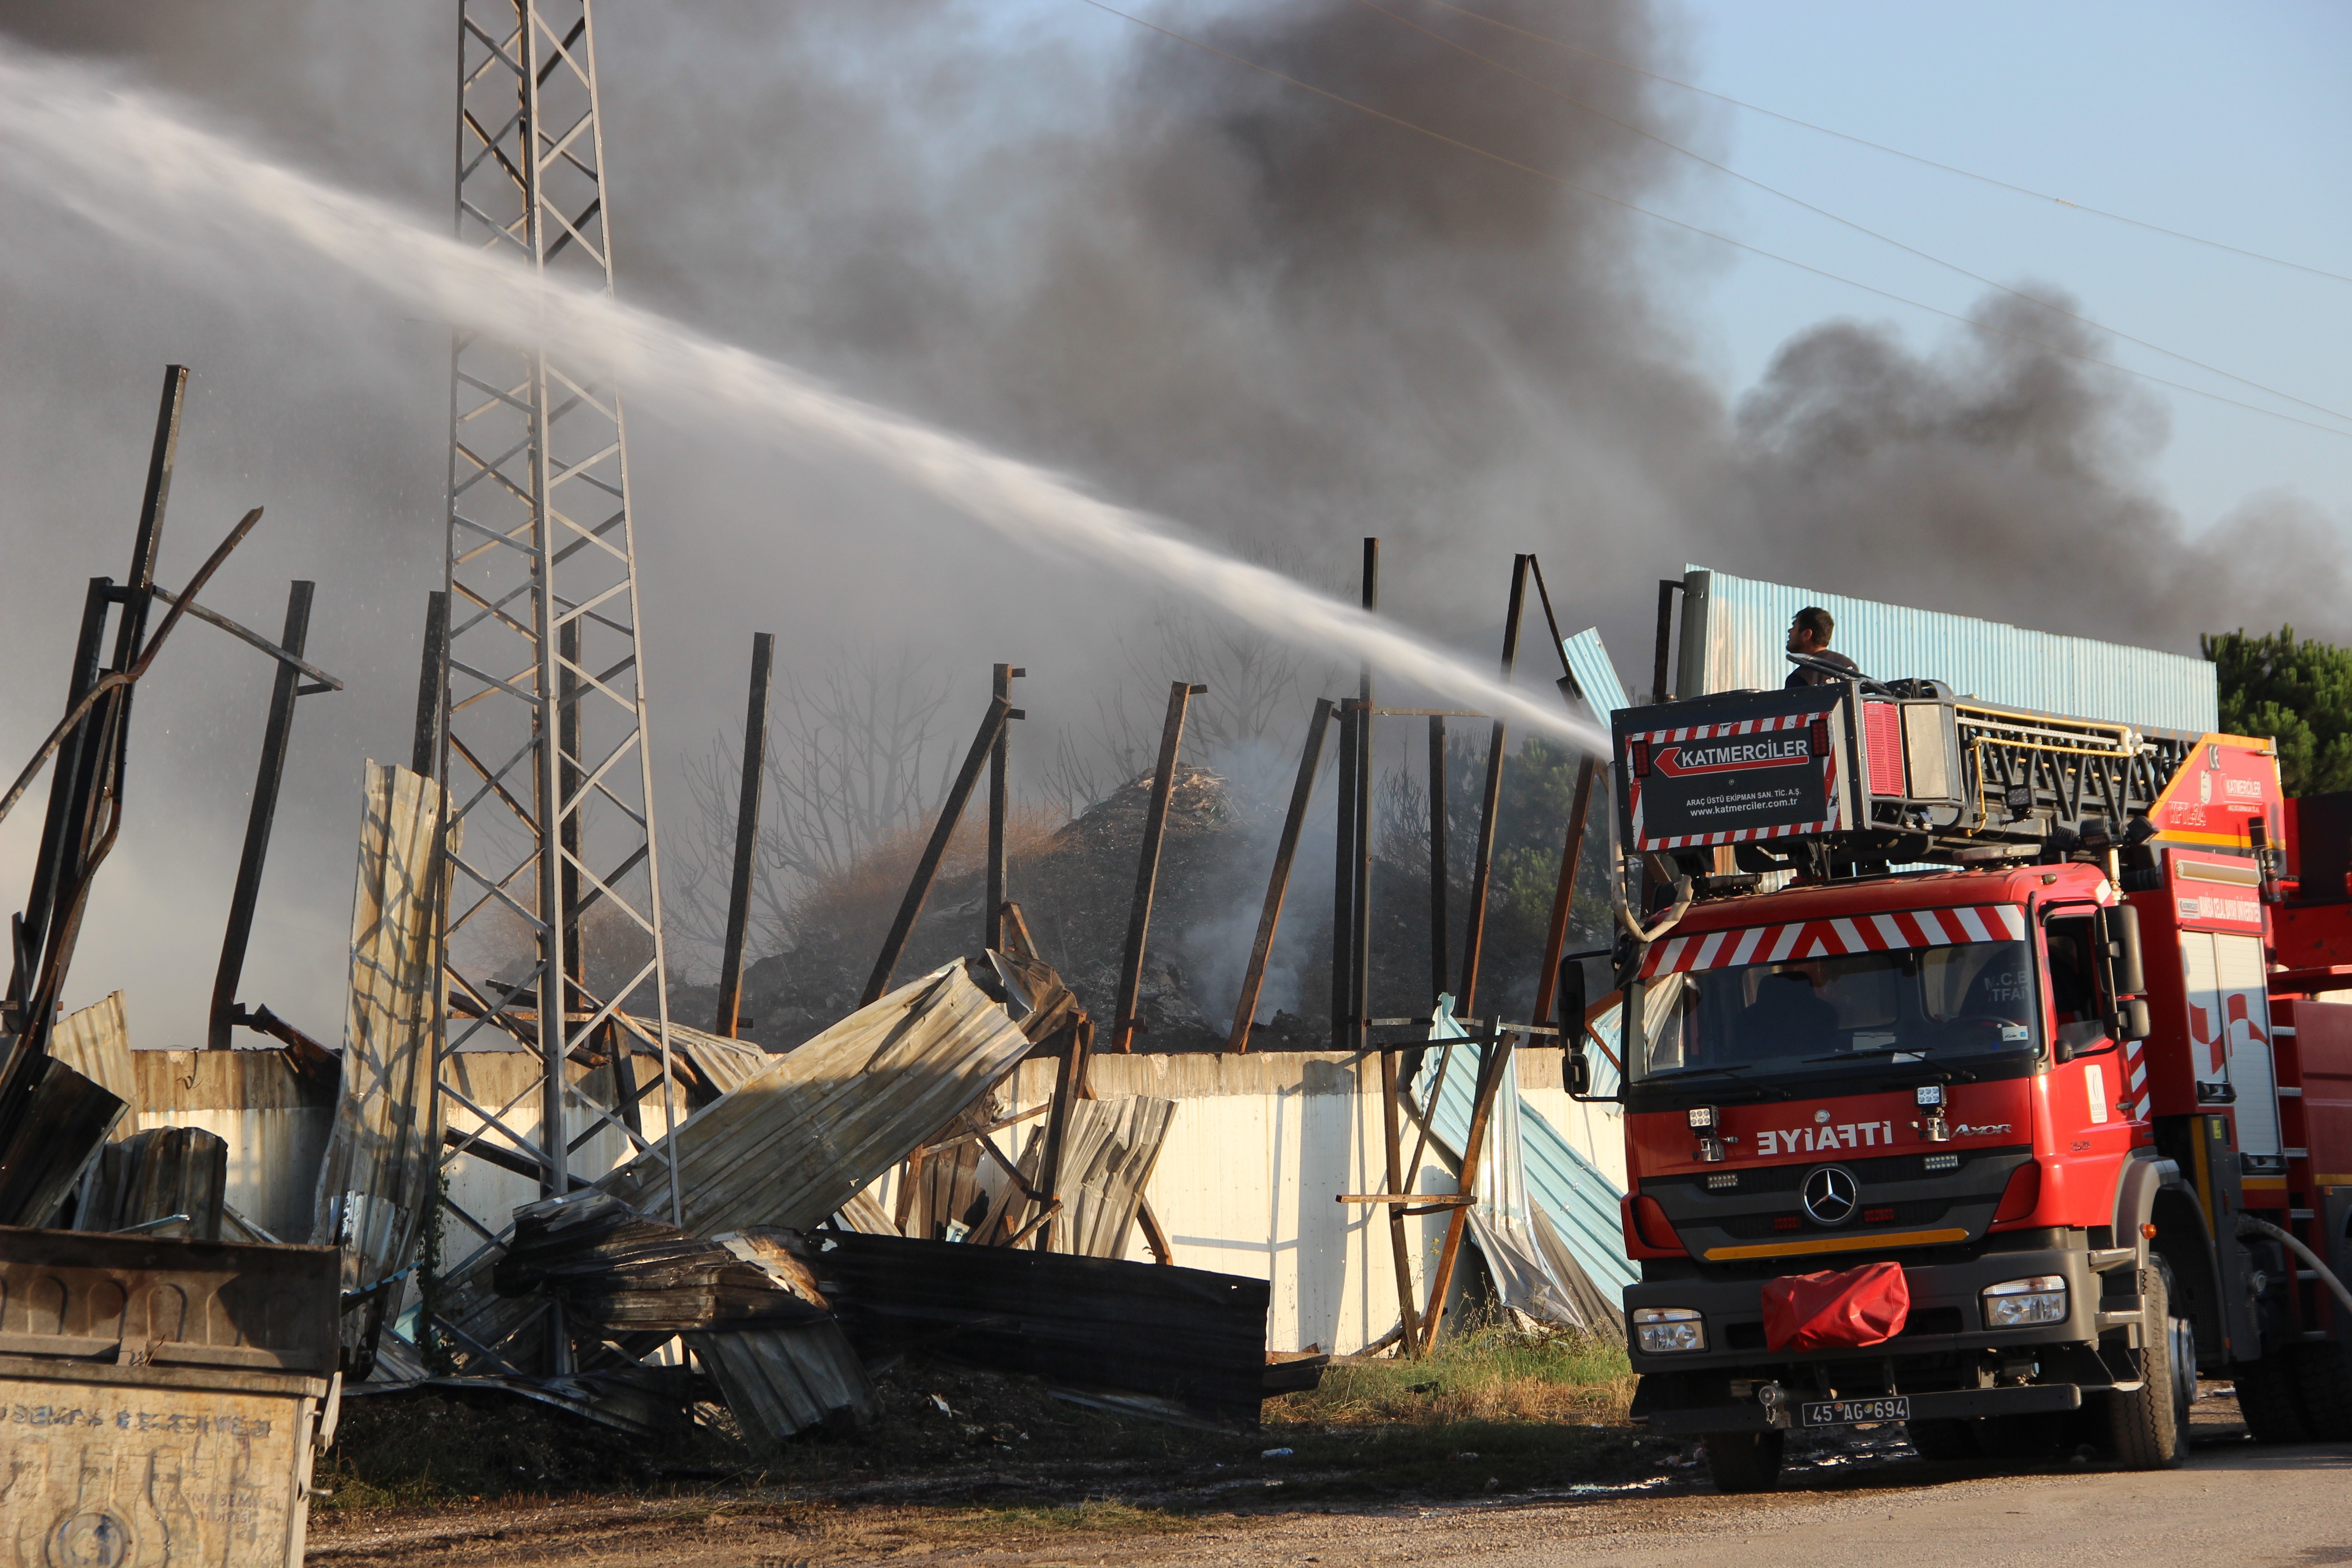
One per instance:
(2249, 1227)
(1667, 921)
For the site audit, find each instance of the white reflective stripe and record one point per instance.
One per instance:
(1932, 927)
(2012, 920)
(1972, 922)
(1785, 942)
(1886, 928)
(1848, 934)
(1706, 948)
(1745, 951)
(1673, 951)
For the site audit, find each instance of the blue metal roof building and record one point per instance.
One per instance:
(1734, 630)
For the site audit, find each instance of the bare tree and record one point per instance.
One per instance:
(1259, 687)
(852, 760)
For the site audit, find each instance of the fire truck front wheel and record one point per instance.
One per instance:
(1745, 1461)
(2150, 1425)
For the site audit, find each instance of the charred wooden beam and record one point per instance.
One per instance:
(1494, 1060)
(747, 839)
(1146, 868)
(927, 869)
(1000, 806)
(1302, 794)
(424, 750)
(260, 820)
(1482, 868)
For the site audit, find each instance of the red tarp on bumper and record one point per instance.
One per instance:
(1864, 1306)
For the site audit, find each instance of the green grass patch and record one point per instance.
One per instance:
(1490, 1372)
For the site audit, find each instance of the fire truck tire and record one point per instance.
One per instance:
(2266, 1399)
(2150, 1425)
(1745, 1461)
(2323, 1376)
(1946, 1440)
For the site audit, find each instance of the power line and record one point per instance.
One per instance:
(1893, 152)
(1950, 266)
(1566, 183)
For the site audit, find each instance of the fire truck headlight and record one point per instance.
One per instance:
(1702, 1116)
(2020, 1303)
(1664, 1330)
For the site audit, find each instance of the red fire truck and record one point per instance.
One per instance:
(1980, 1072)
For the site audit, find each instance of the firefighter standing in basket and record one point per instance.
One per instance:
(1809, 635)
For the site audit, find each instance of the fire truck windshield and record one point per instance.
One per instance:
(1931, 1004)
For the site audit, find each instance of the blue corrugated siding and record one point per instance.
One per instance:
(1589, 662)
(1747, 627)
(1578, 1199)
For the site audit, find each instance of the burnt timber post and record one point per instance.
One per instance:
(1437, 873)
(1302, 793)
(910, 909)
(1493, 1061)
(1343, 880)
(1147, 869)
(1359, 1003)
(424, 750)
(94, 750)
(1000, 804)
(259, 821)
(747, 837)
(1482, 868)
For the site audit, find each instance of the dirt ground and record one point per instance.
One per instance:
(1107, 1492)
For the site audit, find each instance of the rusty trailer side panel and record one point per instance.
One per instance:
(160, 1398)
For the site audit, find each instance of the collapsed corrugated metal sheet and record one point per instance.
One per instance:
(796, 1142)
(781, 1381)
(1542, 1205)
(800, 1139)
(1108, 1154)
(96, 1043)
(156, 1175)
(378, 1171)
(723, 1064)
(1588, 660)
(276, 1121)
(1734, 630)
(1143, 1328)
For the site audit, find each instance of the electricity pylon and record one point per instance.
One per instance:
(555, 911)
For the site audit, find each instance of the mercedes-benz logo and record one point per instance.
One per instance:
(1831, 1195)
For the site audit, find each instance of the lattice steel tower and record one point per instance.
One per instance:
(556, 908)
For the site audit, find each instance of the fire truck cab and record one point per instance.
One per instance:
(1966, 1080)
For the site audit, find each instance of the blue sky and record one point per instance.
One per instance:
(2232, 123)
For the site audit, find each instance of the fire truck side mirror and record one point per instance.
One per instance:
(2120, 928)
(1570, 995)
(2131, 1021)
(1580, 1070)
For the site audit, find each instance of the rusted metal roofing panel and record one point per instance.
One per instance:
(1735, 629)
(378, 1171)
